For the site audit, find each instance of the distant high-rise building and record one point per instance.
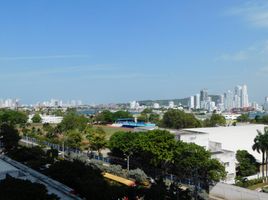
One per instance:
(171, 104)
(265, 106)
(191, 102)
(204, 95)
(228, 100)
(237, 96)
(244, 97)
(197, 101)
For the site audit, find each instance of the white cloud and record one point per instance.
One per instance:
(254, 12)
(257, 52)
(239, 56)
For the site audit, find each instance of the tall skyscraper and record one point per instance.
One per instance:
(204, 95)
(228, 100)
(244, 97)
(265, 106)
(237, 96)
(197, 101)
(191, 102)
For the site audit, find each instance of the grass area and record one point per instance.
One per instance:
(259, 185)
(111, 130)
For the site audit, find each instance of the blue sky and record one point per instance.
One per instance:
(115, 51)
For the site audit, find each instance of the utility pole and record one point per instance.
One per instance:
(128, 163)
(63, 149)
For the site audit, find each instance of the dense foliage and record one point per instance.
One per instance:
(157, 153)
(12, 117)
(261, 146)
(85, 179)
(215, 120)
(247, 164)
(14, 189)
(106, 116)
(36, 118)
(73, 121)
(9, 136)
(179, 119)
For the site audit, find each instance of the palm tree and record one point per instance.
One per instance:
(261, 146)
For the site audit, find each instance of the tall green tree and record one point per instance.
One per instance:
(14, 189)
(215, 120)
(73, 121)
(37, 118)
(247, 164)
(12, 117)
(260, 146)
(73, 139)
(179, 119)
(9, 136)
(97, 139)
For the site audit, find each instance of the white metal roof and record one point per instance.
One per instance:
(234, 137)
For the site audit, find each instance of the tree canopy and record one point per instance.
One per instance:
(37, 118)
(14, 189)
(247, 164)
(157, 152)
(179, 119)
(12, 117)
(97, 138)
(10, 136)
(73, 121)
(106, 116)
(215, 120)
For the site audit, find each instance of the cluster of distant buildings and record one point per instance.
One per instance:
(9, 103)
(238, 98)
(134, 105)
(59, 103)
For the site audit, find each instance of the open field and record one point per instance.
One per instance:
(111, 130)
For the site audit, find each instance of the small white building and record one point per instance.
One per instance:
(201, 138)
(51, 119)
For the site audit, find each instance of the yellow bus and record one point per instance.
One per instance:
(119, 179)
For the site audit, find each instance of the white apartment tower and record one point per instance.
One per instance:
(197, 101)
(191, 102)
(244, 97)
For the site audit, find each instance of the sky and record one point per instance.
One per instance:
(103, 51)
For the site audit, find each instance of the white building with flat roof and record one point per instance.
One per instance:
(234, 138)
(226, 157)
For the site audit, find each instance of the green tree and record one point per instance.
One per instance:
(260, 145)
(97, 139)
(12, 117)
(243, 118)
(9, 136)
(215, 120)
(178, 119)
(73, 121)
(123, 143)
(194, 162)
(158, 153)
(14, 189)
(74, 139)
(247, 164)
(85, 179)
(37, 118)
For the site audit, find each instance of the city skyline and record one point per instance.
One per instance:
(106, 52)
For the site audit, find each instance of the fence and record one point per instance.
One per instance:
(66, 150)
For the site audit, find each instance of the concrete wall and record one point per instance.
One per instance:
(230, 192)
